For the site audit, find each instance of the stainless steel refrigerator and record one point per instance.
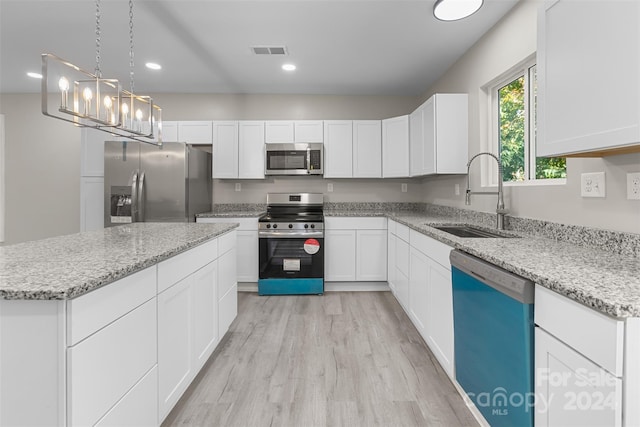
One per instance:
(145, 183)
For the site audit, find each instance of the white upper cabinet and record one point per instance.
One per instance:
(439, 135)
(367, 149)
(278, 131)
(195, 132)
(225, 150)
(338, 148)
(170, 131)
(251, 150)
(308, 131)
(395, 147)
(588, 70)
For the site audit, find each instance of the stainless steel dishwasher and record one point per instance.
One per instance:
(493, 330)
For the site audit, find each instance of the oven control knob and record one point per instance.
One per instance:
(313, 226)
(268, 225)
(275, 225)
(306, 226)
(290, 225)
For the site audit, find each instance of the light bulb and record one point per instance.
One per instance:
(107, 102)
(125, 111)
(125, 108)
(87, 94)
(63, 84)
(107, 106)
(139, 114)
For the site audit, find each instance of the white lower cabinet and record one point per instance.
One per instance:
(227, 289)
(356, 249)
(246, 246)
(570, 389)
(398, 262)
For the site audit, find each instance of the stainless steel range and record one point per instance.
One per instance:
(291, 244)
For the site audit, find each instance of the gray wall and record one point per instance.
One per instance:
(42, 171)
(508, 43)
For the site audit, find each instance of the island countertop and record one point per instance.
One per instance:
(68, 266)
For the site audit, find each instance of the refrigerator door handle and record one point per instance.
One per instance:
(134, 197)
(141, 201)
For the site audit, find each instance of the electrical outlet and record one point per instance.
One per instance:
(403, 187)
(457, 189)
(330, 187)
(238, 186)
(592, 185)
(633, 186)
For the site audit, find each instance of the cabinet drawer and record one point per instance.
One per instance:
(355, 223)
(105, 366)
(248, 224)
(180, 266)
(596, 336)
(402, 231)
(93, 311)
(437, 251)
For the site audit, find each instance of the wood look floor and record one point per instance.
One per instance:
(341, 359)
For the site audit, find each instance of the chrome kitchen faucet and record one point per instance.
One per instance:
(500, 209)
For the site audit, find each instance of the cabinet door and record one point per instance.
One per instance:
(225, 150)
(395, 147)
(418, 293)
(277, 131)
(175, 338)
(570, 389)
(205, 313)
(91, 203)
(251, 150)
(371, 255)
(402, 273)
(583, 73)
(195, 132)
(227, 291)
(308, 131)
(340, 255)
(338, 149)
(247, 260)
(391, 261)
(367, 149)
(92, 152)
(428, 155)
(439, 325)
(416, 141)
(449, 154)
(170, 131)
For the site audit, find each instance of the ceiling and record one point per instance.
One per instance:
(348, 47)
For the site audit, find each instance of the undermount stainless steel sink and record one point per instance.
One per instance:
(471, 231)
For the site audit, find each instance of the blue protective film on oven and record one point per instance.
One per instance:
(290, 286)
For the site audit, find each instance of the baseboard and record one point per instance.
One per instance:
(330, 287)
(472, 407)
(356, 286)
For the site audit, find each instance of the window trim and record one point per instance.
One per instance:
(489, 172)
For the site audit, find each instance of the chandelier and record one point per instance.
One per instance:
(87, 99)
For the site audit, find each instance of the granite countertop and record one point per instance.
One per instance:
(68, 266)
(233, 214)
(600, 279)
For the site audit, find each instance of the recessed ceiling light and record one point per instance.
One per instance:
(34, 75)
(153, 66)
(288, 67)
(452, 10)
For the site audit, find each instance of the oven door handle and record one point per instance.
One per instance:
(290, 234)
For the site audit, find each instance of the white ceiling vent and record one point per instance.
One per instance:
(269, 50)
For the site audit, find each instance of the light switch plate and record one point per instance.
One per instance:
(238, 186)
(403, 187)
(330, 187)
(592, 184)
(633, 186)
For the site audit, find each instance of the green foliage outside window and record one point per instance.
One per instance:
(512, 118)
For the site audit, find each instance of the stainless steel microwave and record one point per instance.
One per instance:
(294, 159)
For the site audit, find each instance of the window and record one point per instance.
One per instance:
(515, 129)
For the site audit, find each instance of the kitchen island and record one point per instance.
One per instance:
(111, 326)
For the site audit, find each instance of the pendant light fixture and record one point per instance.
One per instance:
(453, 10)
(89, 100)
